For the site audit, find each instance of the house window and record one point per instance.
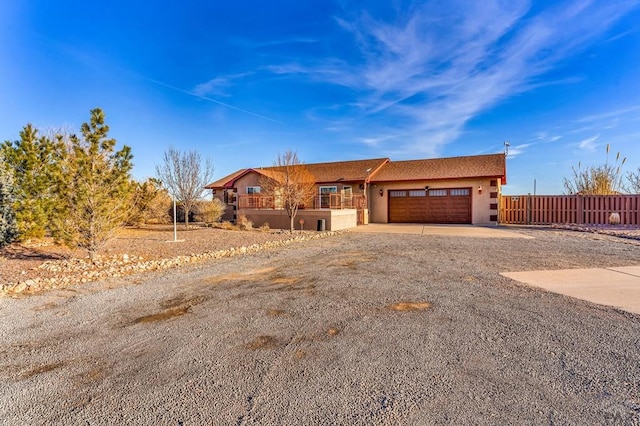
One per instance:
(417, 193)
(325, 195)
(493, 195)
(347, 196)
(437, 193)
(460, 192)
(494, 182)
(397, 194)
(252, 190)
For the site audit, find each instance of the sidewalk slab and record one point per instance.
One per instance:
(618, 287)
(631, 270)
(442, 230)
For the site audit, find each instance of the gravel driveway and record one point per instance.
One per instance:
(352, 329)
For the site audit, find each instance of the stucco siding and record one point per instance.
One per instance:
(335, 220)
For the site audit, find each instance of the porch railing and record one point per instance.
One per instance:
(324, 201)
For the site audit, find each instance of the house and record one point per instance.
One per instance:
(462, 190)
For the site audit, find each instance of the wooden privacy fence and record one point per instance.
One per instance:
(580, 209)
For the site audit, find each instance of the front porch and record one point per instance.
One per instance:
(335, 211)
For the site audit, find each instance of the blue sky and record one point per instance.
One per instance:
(334, 80)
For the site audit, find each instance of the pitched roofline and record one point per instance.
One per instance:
(438, 179)
(373, 172)
(233, 178)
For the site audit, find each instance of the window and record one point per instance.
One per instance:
(437, 193)
(460, 192)
(396, 194)
(325, 195)
(252, 190)
(494, 182)
(493, 195)
(418, 193)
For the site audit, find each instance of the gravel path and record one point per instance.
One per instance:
(315, 333)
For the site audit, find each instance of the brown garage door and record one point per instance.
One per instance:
(447, 205)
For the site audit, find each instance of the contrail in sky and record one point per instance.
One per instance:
(215, 101)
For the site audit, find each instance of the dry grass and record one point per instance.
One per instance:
(333, 331)
(410, 306)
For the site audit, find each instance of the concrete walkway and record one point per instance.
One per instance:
(450, 230)
(618, 287)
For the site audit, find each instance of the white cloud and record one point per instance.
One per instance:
(218, 86)
(443, 63)
(589, 143)
(516, 150)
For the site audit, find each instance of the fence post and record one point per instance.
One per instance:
(580, 205)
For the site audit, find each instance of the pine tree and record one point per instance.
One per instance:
(37, 163)
(8, 226)
(97, 187)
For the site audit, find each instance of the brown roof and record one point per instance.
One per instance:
(384, 170)
(493, 165)
(346, 171)
(227, 180)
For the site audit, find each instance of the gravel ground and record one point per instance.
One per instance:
(19, 262)
(352, 329)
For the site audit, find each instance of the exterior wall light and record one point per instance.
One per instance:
(480, 189)
(381, 192)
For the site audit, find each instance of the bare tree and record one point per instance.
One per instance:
(291, 184)
(596, 180)
(633, 187)
(185, 176)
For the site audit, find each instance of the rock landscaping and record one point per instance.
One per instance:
(70, 270)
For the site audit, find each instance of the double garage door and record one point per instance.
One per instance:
(447, 205)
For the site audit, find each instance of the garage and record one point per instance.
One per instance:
(442, 205)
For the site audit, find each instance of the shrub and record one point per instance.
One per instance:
(265, 227)
(210, 212)
(243, 223)
(8, 224)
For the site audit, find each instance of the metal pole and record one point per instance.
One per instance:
(175, 220)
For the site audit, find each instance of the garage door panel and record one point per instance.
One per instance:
(451, 205)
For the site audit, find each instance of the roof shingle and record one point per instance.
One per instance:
(492, 165)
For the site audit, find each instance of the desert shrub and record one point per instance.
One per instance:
(265, 227)
(226, 225)
(159, 210)
(210, 212)
(243, 223)
(150, 203)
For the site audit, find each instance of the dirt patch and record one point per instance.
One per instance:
(276, 312)
(41, 369)
(352, 259)
(284, 280)
(263, 342)
(410, 306)
(333, 331)
(300, 355)
(174, 307)
(249, 276)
